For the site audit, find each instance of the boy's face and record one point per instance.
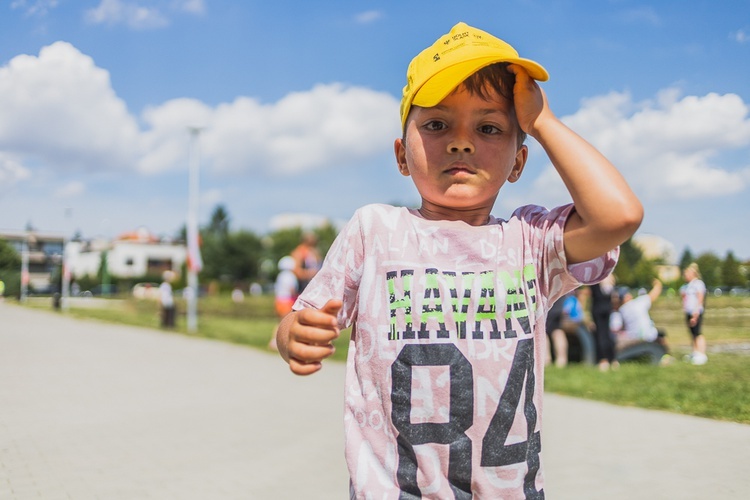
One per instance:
(460, 152)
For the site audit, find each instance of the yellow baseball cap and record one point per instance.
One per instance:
(439, 69)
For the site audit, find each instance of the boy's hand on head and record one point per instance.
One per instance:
(529, 100)
(310, 337)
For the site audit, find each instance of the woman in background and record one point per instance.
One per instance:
(693, 300)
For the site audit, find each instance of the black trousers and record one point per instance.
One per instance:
(167, 317)
(605, 341)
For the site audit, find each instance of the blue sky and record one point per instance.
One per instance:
(299, 104)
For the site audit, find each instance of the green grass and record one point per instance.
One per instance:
(717, 390)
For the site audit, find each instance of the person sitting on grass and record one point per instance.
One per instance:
(632, 323)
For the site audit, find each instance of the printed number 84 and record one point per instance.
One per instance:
(495, 451)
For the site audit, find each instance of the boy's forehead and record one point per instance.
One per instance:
(486, 102)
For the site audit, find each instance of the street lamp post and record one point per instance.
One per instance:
(65, 268)
(25, 267)
(194, 259)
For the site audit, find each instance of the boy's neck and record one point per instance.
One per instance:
(473, 217)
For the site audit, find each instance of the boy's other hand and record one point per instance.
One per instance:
(529, 100)
(310, 337)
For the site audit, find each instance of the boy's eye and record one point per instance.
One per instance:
(434, 125)
(489, 129)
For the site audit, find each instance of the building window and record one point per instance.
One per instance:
(158, 266)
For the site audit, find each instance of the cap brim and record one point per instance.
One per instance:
(439, 86)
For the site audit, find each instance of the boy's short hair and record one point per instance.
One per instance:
(439, 69)
(494, 77)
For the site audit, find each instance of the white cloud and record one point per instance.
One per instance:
(369, 16)
(141, 15)
(642, 15)
(211, 197)
(668, 148)
(166, 142)
(327, 126)
(11, 171)
(130, 13)
(740, 36)
(190, 6)
(36, 8)
(72, 189)
(60, 113)
(59, 110)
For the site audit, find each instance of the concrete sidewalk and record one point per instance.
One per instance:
(97, 411)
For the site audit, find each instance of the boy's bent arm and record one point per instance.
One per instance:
(607, 212)
(305, 337)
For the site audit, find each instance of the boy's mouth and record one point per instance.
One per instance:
(459, 168)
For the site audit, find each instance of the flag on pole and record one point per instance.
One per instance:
(194, 260)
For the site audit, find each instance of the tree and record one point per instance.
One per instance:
(731, 274)
(326, 234)
(229, 257)
(625, 271)
(686, 259)
(219, 224)
(243, 253)
(9, 258)
(283, 241)
(710, 268)
(644, 273)
(10, 269)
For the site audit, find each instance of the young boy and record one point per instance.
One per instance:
(447, 303)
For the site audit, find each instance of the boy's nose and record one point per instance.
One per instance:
(460, 143)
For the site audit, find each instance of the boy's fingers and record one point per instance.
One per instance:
(315, 335)
(519, 71)
(332, 307)
(301, 368)
(318, 318)
(311, 337)
(310, 352)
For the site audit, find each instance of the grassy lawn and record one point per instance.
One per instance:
(718, 390)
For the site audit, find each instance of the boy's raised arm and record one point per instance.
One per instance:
(607, 212)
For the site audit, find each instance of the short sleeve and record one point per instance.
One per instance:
(340, 274)
(545, 231)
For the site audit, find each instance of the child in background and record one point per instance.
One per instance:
(285, 292)
(447, 303)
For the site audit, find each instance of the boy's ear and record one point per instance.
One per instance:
(399, 148)
(520, 161)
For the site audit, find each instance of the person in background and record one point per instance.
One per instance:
(572, 310)
(238, 296)
(601, 309)
(166, 300)
(693, 294)
(285, 292)
(307, 259)
(633, 323)
(556, 337)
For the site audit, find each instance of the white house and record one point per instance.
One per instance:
(42, 252)
(130, 255)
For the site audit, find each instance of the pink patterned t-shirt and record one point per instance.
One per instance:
(445, 369)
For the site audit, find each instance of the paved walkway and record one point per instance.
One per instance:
(95, 411)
